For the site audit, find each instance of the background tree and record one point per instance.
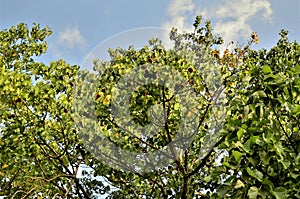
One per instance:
(262, 139)
(40, 154)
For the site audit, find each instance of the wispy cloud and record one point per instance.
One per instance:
(178, 11)
(69, 44)
(232, 18)
(71, 37)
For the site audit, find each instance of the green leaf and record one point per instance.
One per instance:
(240, 133)
(296, 110)
(280, 193)
(297, 69)
(259, 94)
(237, 155)
(255, 173)
(239, 184)
(267, 182)
(252, 192)
(266, 69)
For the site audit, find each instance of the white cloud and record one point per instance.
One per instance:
(243, 8)
(178, 11)
(233, 17)
(71, 37)
(68, 44)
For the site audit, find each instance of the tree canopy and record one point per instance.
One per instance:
(241, 106)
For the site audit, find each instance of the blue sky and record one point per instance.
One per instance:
(79, 26)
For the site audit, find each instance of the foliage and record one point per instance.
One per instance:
(40, 152)
(255, 156)
(263, 128)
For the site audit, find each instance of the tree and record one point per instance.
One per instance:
(45, 112)
(260, 136)
(263, 129)
(40, 151)
(139, 80)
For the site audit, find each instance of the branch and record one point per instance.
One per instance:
(204, 160)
